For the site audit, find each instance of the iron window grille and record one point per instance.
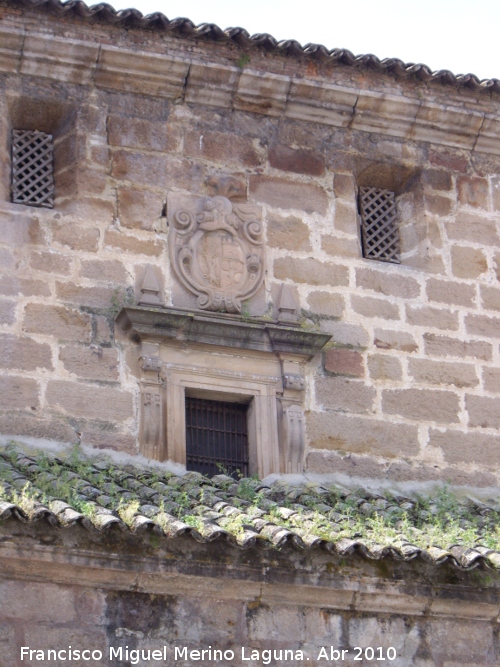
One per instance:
(216, 437)
(32, 168)
(379, 229)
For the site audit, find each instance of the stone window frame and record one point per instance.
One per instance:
(259, 393)
(258, 362)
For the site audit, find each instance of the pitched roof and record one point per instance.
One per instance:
(184, 28)
(100, 496)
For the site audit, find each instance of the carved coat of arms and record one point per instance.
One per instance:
(216, 249)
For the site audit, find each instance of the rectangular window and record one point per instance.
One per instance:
(379, 229)
(32, 168)
(216, 437)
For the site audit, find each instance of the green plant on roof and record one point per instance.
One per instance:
(243, 60)
(27, 499)
(234, 524)
(127, 511)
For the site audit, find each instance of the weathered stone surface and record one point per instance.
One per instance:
(325, 461)
(140, 133)
(76, 236)
(343, 361)
(422, 404)
(448, 159)
(7, 312)
(369, 307)
(445, 346)
(18, 231)
(109, 439)
(473, 191)
(384, 367)
(368, 632)
(50, 262)
(107, 271)
(283, 193)
(340, 247)
(400, 471)
(104, 327)
(460, 641)
(17, 393)
(437, 318)
(298, 160)
(310, 271)
(132, 244)
(90, 297)
(442, 372)
(289, 233)
(490, 297)
(325, 303)
(483, 411)
(346, 218)
(62, 323)
(139, 209)
(467, 262)
(444, 291)
(8, 645)
(157, 170)
(12, 286)
(439, 205)
(390, 284)
(281, 624)
(474, 228)
(222, 147)
(491, 379)
(24, 353)
(473, 447)
(343, 394)
(28, 424)
(437, 179)
(331, 430)
(94, 362)
(392, 339)
(482, 325)
(90, 401)
(34, 602)
(344, 185)
(496, 262)
(346, 334)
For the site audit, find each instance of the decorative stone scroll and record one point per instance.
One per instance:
(216, 249)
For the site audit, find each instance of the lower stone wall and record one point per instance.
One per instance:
(62, 589)
(121, 624)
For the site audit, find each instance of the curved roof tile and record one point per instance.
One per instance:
(68, 491)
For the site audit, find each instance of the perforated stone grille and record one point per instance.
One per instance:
(379, 230)
(32, 168)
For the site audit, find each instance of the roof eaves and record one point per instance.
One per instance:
(185, 28)
(101, 497)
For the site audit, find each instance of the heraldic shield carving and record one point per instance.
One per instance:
(216, 249)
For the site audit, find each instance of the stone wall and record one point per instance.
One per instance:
(410, 386)
(69, 587)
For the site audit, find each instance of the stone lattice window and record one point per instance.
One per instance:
(32, 168)
(379, 229)
(216, 437)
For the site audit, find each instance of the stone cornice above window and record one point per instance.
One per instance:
(220, 330)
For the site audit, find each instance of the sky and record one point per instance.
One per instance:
(460, 35)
